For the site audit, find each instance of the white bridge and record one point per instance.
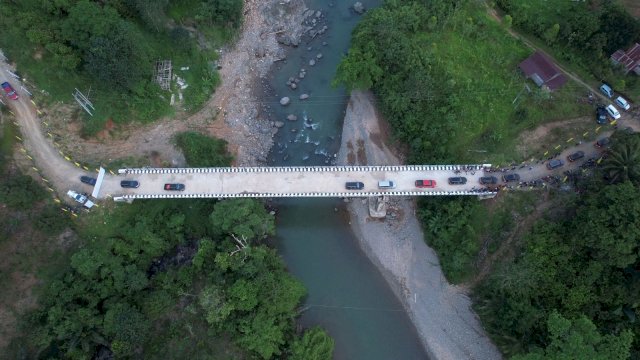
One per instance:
(312, 181)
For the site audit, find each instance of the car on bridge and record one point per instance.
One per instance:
(132, 184)
(8, 89)
(386, 184)
(425, 183)
(575, 156)
(488, 180)
(354, 185)
(554, 164)
(511, 177)
(174, 187)
(458, 180)
(88, 180)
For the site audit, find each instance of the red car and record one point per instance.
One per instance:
(11, 94)
(425, 183)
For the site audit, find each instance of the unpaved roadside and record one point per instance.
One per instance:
(441, 312)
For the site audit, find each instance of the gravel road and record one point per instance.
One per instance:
(440, 311)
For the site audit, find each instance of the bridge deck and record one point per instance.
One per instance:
(326, 181)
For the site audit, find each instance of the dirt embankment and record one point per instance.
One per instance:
(233, 113)
(440, 311)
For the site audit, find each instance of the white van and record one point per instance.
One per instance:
(386, 184)
(606, 90)
(613, 112)
(620, 101)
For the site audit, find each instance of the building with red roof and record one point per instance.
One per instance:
(543, 71)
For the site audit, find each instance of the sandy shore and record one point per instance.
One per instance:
(441, 312)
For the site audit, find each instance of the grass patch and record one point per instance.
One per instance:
(203, 151)
(494, 102)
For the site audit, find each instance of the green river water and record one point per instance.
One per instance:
(347, 295)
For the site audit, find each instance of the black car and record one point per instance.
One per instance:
(354, 185)
(88, 180)
(601, 115)
(174, 187)
(604, 142)
(575, 156)
(458, 180)
(511, 177)
(488, 180)
(129, 184)
(554, 164)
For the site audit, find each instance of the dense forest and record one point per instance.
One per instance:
(111, 48)
(155, 279)
(569, 287)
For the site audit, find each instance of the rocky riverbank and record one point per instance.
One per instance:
(441, 312)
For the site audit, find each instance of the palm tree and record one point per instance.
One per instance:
(623, 160)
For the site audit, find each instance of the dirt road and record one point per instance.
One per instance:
(60, 173)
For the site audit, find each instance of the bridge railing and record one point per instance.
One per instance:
(398, 168)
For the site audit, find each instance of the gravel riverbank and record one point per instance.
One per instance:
(441, 312)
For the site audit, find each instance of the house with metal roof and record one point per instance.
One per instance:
(543, 71)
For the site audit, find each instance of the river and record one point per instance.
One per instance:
(347, 295)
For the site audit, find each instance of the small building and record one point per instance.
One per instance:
(629, 60)
(543, 71)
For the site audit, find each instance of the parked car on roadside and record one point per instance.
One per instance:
(575, 156)
(425, 183)
(607, 90)
(458, 180)
(554, 164)
(488, 180)
(129, 183)
(601, 115)
(8, 89)
(174, 187)
(354, 185)
(88, 180)
(613, 112)
(624, 104)
(511, 177)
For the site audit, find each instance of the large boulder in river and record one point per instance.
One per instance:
(304, 96)
(285, 101)
(292, 117)
(359, 8)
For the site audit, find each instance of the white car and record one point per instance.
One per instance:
(624, 104)
(613, 112)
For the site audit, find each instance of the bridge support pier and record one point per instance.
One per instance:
(378, 206)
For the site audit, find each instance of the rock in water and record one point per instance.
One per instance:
(312, 62)
(359, 8)
(292, 117)
(279, 124)
(285, 101)
(304, 96)
(293, 86)
(319, 56)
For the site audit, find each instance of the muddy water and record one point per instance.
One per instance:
(347, 295)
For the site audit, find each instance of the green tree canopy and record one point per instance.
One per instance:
(244, 218)
(579, 339)
(623, 160)
(315, 344)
